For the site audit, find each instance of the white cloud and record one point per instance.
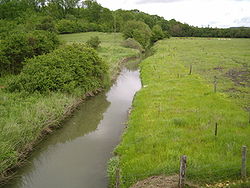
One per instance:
(156, 1)
(216, 13)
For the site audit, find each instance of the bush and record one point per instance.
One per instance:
(46, 23)
(139, 31)
(94, 42)
(66, 69)
(67, 26)
(93, 27)
(6, 26)
(132, 43)
(19, 45)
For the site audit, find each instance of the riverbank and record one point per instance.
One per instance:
(175, 113)
(25, 120)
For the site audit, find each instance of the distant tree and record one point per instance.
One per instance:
(92, 10)
(157, 33)
(139, 31)
(67, 26)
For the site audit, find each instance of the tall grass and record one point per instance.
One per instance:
(175, 114)
(23, 117)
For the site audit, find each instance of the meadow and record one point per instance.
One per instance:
(175, 112)
(24, 118)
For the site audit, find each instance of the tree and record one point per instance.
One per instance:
(139, 31)
(157, 33)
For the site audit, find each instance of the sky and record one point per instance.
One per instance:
(202, 13)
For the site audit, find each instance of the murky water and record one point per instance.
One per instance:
(76, 156)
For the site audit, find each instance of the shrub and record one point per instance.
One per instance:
(66, 69)
(139, 31)
(19, 45)
(6, 26)
(132, 43)
(93, 27)
(46, 23)
(67, 26)
(94, 42)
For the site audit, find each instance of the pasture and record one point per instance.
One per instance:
(175, 112)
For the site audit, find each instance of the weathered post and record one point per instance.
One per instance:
(249, 117)
(183, 165)
(190, 69)
(215, 84)
(244, 161)
(216, 129)
(117, 181)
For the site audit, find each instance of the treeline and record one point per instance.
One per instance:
(71, 16)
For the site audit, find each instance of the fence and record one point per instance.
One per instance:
(181, 179)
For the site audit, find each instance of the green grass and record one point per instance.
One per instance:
(23, 117)
(175, 113)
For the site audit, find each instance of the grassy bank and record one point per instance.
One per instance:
(175, 113)
(23, 117)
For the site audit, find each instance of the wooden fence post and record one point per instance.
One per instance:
(215, 84)
(216, 129)
(244, 161)
(183, 166)
(190, 69)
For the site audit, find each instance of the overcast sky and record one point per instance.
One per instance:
(215, 13)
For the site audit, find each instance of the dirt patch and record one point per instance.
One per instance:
(1, 87)
(239, 77)
(160, 182)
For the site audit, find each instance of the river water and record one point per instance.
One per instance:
(76, 155)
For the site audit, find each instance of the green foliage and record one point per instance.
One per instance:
(11, 9)
(65, 69)
(157, 33)
(67, 26)
(17, 46)
(132, 43)
(6, 26)
(94, 42)
(46, 23)
(139, 31)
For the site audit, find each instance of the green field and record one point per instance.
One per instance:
(175, 113)
(23, 117)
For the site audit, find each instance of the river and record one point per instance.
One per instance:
(76, 155)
